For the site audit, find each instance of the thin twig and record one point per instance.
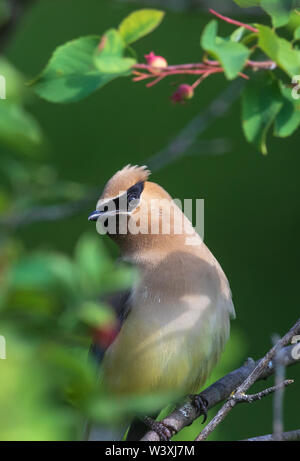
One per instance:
(264, 363)
(268, 64)
(176, 70)
(154, 82)
(25, 217)
(207, 67)
(218, 392)
(254, 376)
(249, 398)
(232, 21)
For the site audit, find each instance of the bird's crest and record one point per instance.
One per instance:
(124, 179)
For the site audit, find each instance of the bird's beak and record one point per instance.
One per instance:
(94, 216)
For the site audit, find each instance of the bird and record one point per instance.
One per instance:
(175, 321)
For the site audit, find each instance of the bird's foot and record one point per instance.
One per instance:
(201, 404)
(164, 431)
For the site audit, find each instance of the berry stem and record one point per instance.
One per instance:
(233, 21)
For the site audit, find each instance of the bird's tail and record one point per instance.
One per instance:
(101, 432)
(136, 430)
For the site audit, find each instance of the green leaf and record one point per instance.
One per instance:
(91, 261)
(37, 415)
(115, 65)
(62, 270)
(247, 3)
(43, 270)
(279, 10)
(140, 23)
(261, 102)
(95, 314)
(15, 82)
(18, 129)
(279, 50)
(231, 55)
(112, 44)
(71, 74)
(109, 59)
(297, 33)
(238, 34)
(288, 119)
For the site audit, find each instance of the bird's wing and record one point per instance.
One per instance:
(120, 303)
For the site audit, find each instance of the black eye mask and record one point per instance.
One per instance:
(131, 197)
(122, 204)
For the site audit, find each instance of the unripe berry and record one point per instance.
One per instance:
(183, 93)
(157, 62)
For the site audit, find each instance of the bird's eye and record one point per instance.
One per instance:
(132, 196)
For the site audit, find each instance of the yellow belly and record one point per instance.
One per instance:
(168, 350)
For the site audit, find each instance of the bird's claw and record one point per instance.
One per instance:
(201, 404)
(164, 431)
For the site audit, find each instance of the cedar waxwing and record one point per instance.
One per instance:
(176, 321)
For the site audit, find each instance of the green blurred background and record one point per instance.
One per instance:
(251, 202)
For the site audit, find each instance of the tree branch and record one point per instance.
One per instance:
(220, 391)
